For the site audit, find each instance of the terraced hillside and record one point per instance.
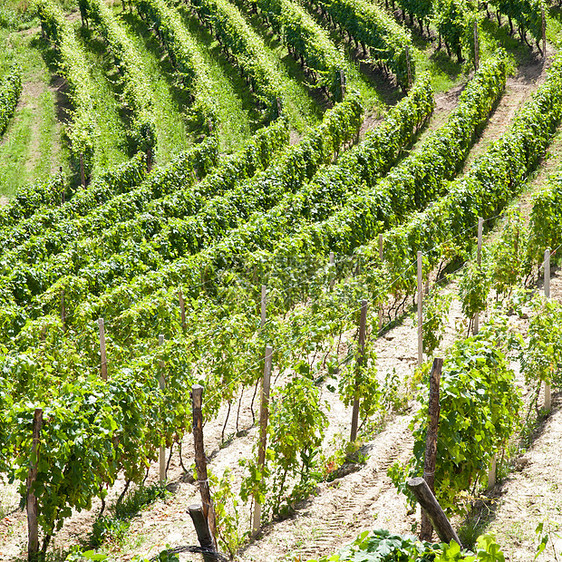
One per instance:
(212, 192)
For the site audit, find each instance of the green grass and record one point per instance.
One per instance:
(236, 110)
(30, 149)
(48, 146)
(302, 108)
(172, 133)
(111, 145)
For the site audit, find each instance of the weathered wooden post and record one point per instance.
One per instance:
(264, 418)
(430, 505)
(342, 83)
(360, 361)
(332, 264)
(31, 501)
(203, 533)
(492, 473)
(381, 256)
(82, 172)
(476, 47)
(431, 440)
(408, 67)
(476, 327)
(162, 385)
(543, 33)
(420, 309)
(547, 389)
(182, 309)
(103, 352)
(62, 311)
(200, 461)
(263, 305)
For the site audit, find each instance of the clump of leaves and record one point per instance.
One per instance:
(480, 406)
(382, 546)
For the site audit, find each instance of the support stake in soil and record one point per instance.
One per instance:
(547, 390)
(420, 309)
(203, 533)
(103, 352)
(31, 503)
(264, 417)
(360, 360)
(479, 262)
(201, 462)
(429, 504)
(162, 384)
(431, 441)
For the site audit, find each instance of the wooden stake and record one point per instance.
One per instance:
(263, 305)
(200, 461)
(547, 388)
(332, 263)
(63, 186)
(203, 534)
(492, 473)
(430, 505)
(82, 173)
(264, 418)
(420, 309)
(431, 441)
(182, 310)
(103, 352)
(381, 256)
(31, 502)
(543, 33)
(342, 83)
(476, 47)
(162, 384)
(408, 67)
(360, 360)
(62, 310)
(479, 262)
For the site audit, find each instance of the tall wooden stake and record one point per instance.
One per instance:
(263, 305)
(31, 502)
(203, 533)
(62, 311)
(360, 360)
(430, 505)
(264, 417)
(479, 262)
(492, 473)
(476, 47)
(103, 352)
(547, 390)
(420, 309)
(200, 462)
(408, 67)
(332, 263)
(82, 173)
(162, 453)
(182, 309)
(431, 441)
(381, 256)
(543, 32)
